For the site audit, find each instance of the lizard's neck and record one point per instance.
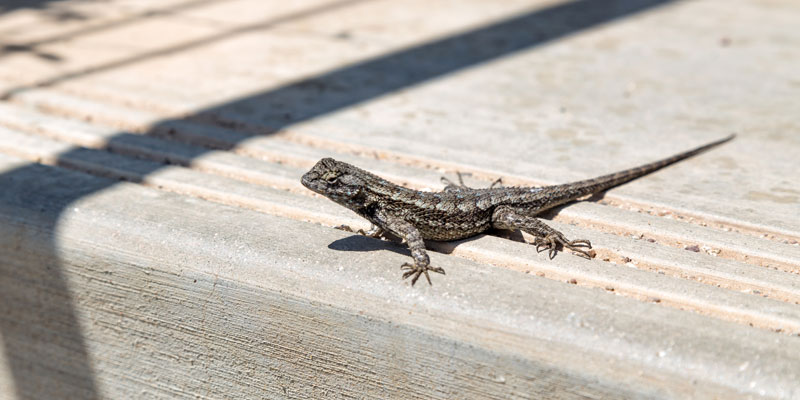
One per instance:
(377, 189)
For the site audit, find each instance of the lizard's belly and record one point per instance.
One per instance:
(452, 230)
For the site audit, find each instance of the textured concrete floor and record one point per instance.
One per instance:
(155, 241)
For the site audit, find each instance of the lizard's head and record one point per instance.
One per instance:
(335, 180)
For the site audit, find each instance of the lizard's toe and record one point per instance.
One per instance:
(411, 272)
(439, 270)
(552, 244)
(428, 277)
(345, 228)
(415, 271)
(553, 241)
(580, 243)
(540, 244)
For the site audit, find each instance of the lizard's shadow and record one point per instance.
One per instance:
(358, 242)
(364, 243)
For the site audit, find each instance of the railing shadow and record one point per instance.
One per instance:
(33, 47)
(53, 9)
(28, 344)
(13, 5)
(140, 57)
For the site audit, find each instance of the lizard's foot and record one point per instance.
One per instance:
(417, 270)
(374, 231)
(345, 228)
(450, 186)
(553, 240)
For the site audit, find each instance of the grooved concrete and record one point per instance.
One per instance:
(244, 297)
(155, 241)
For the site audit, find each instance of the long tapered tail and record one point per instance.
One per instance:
(590, 186)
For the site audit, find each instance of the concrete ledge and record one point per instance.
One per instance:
(225, 303)
(155, 241)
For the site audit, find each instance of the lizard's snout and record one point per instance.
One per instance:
(307, 179)
(310, 180)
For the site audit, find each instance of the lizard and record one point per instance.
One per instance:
(458, 211)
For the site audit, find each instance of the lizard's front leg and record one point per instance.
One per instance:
(413, 238)
(508, 218)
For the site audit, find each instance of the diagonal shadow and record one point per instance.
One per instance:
(32, 47)
(112, 24)
(39, 194)
(166, 51)
(12, 5)
(354, 84)
(59, 10)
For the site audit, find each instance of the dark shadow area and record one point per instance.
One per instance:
(65, 13)
(30, 49)
(165, 51)
(114, 24)
(354, 84)
(45, 199)
(43, 341)
(13, 5)
(56, 9)
(363, 243)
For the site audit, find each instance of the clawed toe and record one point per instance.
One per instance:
(580, 243)
(415, 272)
(576, 246)
(412, 272)
(551, 242)
(345, 228)
(439, 270)
(583, 253)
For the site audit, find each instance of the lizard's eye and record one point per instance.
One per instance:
(331, 179)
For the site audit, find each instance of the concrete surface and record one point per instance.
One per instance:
(155, 241)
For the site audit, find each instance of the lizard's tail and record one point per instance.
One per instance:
(590, 186)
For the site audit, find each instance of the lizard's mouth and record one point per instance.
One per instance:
(308, 180)
(312, 182)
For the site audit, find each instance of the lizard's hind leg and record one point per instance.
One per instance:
(451, 186)
(546, 237)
